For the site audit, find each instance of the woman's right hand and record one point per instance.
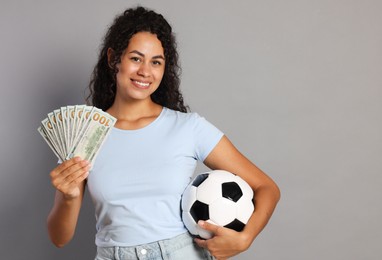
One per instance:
(69, 175)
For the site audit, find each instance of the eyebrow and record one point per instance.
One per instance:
(141, 54)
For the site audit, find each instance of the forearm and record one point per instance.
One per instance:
(227, 242)
(266, 199)
(62, 219)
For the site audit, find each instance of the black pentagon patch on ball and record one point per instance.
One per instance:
(200, 179)
(236, 225)
(231, 191)
(199, 211)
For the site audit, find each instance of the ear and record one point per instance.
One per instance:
(110, 57)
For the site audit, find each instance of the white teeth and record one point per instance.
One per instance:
(142, 84)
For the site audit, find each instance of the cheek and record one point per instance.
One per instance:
(123, 70)
(123, 73)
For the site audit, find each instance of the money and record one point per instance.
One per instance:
(78, 130)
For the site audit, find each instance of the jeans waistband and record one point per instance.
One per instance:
(146, 251)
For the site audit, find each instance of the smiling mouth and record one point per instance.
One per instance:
(140, 84)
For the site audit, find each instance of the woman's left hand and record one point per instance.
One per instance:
(225, 242)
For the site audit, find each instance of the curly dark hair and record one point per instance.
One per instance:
(102, 84)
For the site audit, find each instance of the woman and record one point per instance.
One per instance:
(138, 178)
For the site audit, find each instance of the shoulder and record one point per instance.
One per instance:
(190, 117)
(191, 121)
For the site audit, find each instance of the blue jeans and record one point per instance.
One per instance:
(178, 248)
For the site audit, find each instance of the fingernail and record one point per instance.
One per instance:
(201, 222)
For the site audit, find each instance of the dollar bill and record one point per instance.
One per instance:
(49, 142)
(48, 126)
(98, 126)
(56, 132)
(78, 130)
(70, 123)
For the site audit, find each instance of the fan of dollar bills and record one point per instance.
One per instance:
(78, 130)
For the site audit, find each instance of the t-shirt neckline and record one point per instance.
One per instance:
(151, 124)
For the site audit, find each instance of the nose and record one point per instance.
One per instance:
(144, 70)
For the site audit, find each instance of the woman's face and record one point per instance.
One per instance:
(142, 67)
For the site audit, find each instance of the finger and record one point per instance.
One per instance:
(73, 168)
(201, 242)
(69, 185)
(208, 226)
(64, 165)
(207, 244)
(78, 176)
(70, 174)
(70, 162)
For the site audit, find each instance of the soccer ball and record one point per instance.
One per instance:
(218, 197)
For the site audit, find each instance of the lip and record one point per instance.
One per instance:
(141, 84)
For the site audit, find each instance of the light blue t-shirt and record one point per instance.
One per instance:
(139, 176)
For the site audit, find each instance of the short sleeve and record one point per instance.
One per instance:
(206, 136)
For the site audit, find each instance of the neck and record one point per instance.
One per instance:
(134, 110)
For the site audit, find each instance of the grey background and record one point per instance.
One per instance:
(296, 85)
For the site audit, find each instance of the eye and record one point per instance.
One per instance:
(156, 63)
(135, 59)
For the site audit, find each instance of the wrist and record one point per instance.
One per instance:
(67, 198)
(246, 239)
